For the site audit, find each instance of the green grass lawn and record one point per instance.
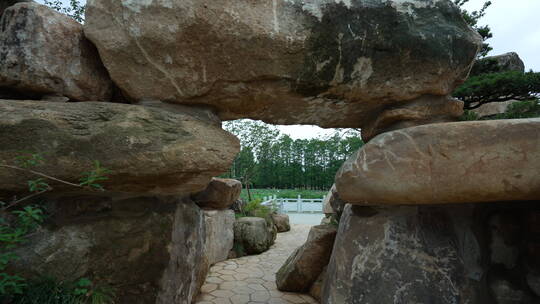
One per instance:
(282, 193)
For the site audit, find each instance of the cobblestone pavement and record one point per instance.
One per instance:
(252, 279)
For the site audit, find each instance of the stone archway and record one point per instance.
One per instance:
(187, 65)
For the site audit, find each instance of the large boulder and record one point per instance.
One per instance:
(221, 193)
(329, 63)
(44, 52)
(493, 108)
(253, 235)
(480, 161)
(147, 248)
(148, 150)
(403, 255)
(219, 240)
(281, 221)
(507, 62)
(306, 263)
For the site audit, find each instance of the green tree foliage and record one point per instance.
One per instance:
(18, 220)
(275, 160)
(74, 9)
(497, 87)
(472, 19)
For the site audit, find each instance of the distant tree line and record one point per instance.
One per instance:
(270, 159)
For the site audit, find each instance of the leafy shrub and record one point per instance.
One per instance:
(16, 225)
(521, 109)
(255, 208)
(51, 291)
(11, 235)
(469, 116)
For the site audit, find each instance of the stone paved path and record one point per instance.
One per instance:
(251, 279)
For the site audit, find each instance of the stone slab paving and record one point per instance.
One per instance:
(252, 279)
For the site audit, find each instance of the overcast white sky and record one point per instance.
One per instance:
(515, 25)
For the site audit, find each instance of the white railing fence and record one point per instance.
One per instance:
(294, 205)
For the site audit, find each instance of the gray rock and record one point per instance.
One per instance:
(533, 281)
(505, 293)
(332, 204)
(148, 150)
(493, 108)
(253, 235)
(179, 280)
(281, 221)
(306, 263)
(146, 248)
(505, 234)
(329, 63)
(219, 234)
(7, 3)
(44, 52)
(501, 63)
(399, 255)
(221, 193)
(462, 162)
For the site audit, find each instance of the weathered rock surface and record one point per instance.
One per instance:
(481, 161)
(506, 62)
(219, 241)
(253, 235)
(493, 108)
(7, 3)
(533, 281)
(148, 150)
(506, 234)
(435, 254)
(306, 263)
(505, 293)
(330, 63)
(332, 204)
(281, 221)
(316, 289)
(221, 193)
(43, 52)
(147, 248)
(402, 255)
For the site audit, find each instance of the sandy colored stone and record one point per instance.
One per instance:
(219, 227)
(306, 263)
(329, 63)
(221, 193)
(44, 52)
(281, 221)
(464, 162)
(148, 150)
